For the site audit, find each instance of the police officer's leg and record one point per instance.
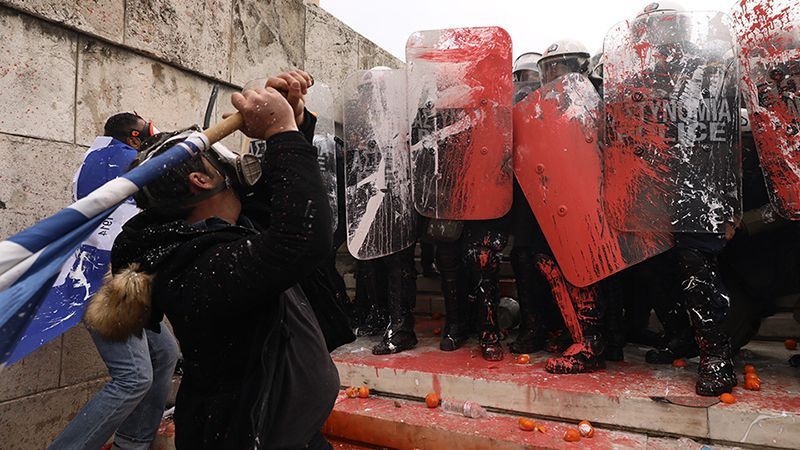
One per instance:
(402, 291)
(482, 258)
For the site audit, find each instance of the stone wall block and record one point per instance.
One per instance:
(111, 80)
(371, 55)
(37, 78)
(35, 373)
(268, 38)
(80, 360)
(104, 18)
(35, 180)
(331, 51)
(33, 422)
(194, 34)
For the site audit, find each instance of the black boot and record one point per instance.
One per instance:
(678, 344)
(400, 335)
(715, 374)
(708, 302)
(455, 333)
(491, 347)
(371, 295)
(482, 257)
(678, 340)
(583, 311)
(532, 291)
(611, 291)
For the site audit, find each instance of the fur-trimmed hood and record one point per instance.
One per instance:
(123, 306)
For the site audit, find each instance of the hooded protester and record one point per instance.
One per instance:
(230, 269)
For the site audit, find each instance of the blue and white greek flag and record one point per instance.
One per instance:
(49, 271)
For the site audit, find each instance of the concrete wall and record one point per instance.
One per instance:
(66, 65)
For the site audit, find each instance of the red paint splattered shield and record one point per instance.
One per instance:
(460, 93)
(319, 100)
(672, 160)
(557, 161)
(380, 216)
(768, 32)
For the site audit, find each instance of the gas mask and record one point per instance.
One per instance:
(240, 172)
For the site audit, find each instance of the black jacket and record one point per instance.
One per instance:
(220, 288)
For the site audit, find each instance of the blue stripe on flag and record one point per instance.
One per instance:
(38, 236)
(21, 300)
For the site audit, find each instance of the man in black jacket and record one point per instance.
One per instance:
(226, 270)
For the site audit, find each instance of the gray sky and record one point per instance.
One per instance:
(533, 24)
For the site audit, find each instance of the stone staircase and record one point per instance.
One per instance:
(631, 403)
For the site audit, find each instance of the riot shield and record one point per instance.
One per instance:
(768, 32)
(558, 163)
(672, 159)
(380, 213)
(319, 101)
(459, 100)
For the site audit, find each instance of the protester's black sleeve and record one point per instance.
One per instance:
(238, 273)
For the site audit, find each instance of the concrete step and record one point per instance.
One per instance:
(404, 424)
(632, 395)
(779, 326)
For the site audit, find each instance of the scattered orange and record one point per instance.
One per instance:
(679, 363)
(790, 344)
(752, 384)
(727, 398)
(586, 429)
(351, 392)
(749, 368)
(526, 424)
(572, 435)
(751, 376)
(523, 359)
(437, 331)
(363, 392)
(432, 400)
(436, 316)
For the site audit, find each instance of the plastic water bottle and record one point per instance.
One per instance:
(466, 409)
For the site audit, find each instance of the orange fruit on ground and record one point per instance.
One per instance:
(432, 400)
(351, 392)
(679, 363)
(526, 424)
(751, 376)
(749, 368)
(727, 398)
(752, 384)
(437, 331)
(790, 344)
(363, 392)
(586, 429)
(572, 435)
(523, 359)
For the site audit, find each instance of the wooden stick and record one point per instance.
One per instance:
(221, 130)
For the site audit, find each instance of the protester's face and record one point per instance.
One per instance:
(136, 138)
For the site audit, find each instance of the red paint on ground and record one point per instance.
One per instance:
(618, 380)
(501, 428)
